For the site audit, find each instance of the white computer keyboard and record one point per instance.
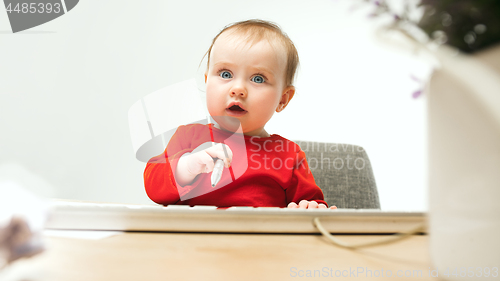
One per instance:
(176, 218)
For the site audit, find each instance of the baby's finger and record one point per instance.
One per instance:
(292, 205)
(313, 205)
(322, 206)
(333, 207)
(228, 151)
(221, 151)
(303, 204)
(229, 155)
(208, 161)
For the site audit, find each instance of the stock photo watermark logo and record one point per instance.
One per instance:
(165, 125)
(30, 13)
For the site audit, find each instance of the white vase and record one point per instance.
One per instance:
(464, 166)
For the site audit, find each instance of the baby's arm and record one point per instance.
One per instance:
(160, 173)
(201, 160)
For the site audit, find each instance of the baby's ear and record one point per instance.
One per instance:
(286, 97)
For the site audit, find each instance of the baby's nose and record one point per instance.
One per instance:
(238, 93)
(238, 90)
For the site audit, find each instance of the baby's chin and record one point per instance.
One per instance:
(229, 123)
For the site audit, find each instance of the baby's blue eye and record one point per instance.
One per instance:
(225, 74)
(258, 79)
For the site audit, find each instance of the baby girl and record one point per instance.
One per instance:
(250, 72)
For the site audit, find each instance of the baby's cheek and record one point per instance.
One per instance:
(213, 104)
(266, 115)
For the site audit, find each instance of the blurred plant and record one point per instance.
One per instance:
(468, 25)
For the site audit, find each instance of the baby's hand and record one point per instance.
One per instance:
(304, 204)
(201, 160)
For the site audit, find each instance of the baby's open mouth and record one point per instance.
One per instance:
(236, 108)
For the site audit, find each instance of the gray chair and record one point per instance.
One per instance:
(344, 173)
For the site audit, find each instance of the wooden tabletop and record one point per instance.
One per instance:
(198, 256)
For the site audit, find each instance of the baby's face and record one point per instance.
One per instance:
(246, 82)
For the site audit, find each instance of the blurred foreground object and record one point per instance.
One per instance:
(463, 102)
(22, 217)
(462, 40)
(467, 25)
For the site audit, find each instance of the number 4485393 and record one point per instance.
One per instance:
(33, 8)
(472, 272)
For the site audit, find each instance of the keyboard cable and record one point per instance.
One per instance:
(385, 240)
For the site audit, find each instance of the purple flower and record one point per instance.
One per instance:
(417, 94)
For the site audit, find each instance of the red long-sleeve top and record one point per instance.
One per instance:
(265, 172)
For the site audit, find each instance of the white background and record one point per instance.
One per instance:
(66, 87)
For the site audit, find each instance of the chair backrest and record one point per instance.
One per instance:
(344, 173)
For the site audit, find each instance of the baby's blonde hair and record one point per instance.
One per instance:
(256, 30)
